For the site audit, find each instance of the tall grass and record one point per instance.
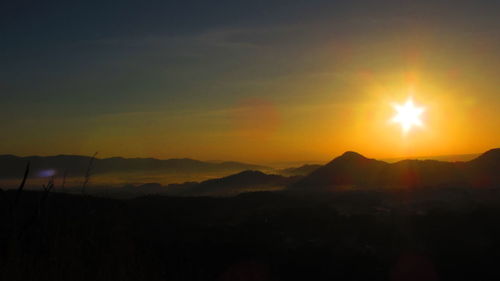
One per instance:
(88, 173)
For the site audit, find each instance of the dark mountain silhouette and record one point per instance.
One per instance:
(487, 160)
(445, 158)
(13, 166)
(303, 170)
(354, 170)
(246, 181)
(238, 183)
(485, 169)
(350, 168)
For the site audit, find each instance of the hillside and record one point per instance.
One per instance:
(246, 181)
(354, 170)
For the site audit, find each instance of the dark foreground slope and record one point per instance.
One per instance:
(419, 235)
(354, 170)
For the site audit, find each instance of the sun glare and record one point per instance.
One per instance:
(408, 115)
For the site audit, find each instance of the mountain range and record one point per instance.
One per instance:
(303, 170)
(350, 170)
(12, 167)
(354, 170)
(246, 181)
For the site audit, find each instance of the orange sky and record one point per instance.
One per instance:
(299, 85)
(308, 127)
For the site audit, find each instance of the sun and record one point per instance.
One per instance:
(408, 115)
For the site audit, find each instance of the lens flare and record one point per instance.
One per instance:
(47, 173)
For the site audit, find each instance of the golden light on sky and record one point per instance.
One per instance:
(294, 89)
(408, 115)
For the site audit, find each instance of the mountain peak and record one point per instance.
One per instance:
(351, 168)
(351, 155)
(248, 173)
(350, 158)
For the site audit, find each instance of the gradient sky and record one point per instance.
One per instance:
(260, 81)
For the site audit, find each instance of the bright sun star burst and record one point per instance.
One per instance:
(408, 115)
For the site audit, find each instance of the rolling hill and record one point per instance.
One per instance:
(354, 170)
(245, 181)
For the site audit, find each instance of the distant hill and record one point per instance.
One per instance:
(238, 183)
(446, 158)
(246, 181)
(354, 170)
(303, 170)
(13, 166)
